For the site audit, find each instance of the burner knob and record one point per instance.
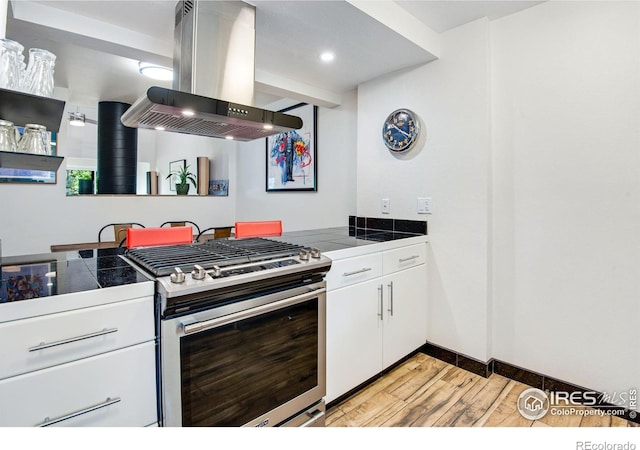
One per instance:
(198, 272)
(216, 272)
(177, 276)
(304, 255)
(315, 253)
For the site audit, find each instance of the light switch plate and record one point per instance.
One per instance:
(423, 205)
(385, 207)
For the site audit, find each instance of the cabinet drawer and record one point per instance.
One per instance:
(345, 272)
(404, 257)
(112, 389)
(45, 341)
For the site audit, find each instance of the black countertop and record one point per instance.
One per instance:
(49, 274)
(340, 238)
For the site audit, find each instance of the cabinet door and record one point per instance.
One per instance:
(354, 336)
(405, 313)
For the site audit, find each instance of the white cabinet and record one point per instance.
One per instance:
(376, 314)
(354, 336)
(405, 315)
(87, 366)
(112, 389)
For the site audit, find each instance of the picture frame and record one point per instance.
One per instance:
(299, 172)
(175, 166)
(8, 175)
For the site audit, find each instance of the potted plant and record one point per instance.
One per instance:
(183, 176)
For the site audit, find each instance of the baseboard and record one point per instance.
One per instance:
(525, 376)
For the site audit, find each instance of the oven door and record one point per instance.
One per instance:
(257, 362)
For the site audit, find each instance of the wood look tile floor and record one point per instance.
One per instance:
(426, 392)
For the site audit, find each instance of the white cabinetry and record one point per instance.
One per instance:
(85, 366)
(376, 314)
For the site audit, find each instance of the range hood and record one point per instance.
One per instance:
(214, 59)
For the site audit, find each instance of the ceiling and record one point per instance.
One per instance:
(99, 43)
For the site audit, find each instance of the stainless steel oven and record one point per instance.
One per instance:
(256, 362)
(242, 343)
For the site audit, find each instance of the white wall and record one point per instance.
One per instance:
(566, 215)
(331, 205)
(451, 96)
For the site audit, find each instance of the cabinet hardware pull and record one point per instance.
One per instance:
(313, 417)
(381, 307)
(108, 402)
(364, 269)
(44, 346)
(390, 285)
(409, 258)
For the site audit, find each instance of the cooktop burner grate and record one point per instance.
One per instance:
(161, 261)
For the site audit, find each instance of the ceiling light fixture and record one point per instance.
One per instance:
(327, 56)
(155, 71)
(188, 112)
(78, 119)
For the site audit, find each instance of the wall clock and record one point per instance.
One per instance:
(401, 130)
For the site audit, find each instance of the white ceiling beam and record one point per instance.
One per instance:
(91, 33)
(396, 18)
(274, 84)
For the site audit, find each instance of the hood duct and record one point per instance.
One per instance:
(214, 58)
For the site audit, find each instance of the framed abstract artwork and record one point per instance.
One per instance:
(292, 157)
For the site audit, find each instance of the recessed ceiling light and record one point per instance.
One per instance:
(229, 138)
(188, 112)
(327, 56)
(155, 71)
(267, 126)
(159, 128)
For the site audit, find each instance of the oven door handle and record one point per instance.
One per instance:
(190, 328)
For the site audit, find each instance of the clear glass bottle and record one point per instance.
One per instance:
(38, 79)
(11, 64)
(8, 141)
(34, 140)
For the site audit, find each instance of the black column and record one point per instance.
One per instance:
(117, 151)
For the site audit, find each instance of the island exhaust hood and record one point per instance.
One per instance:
(214, 58)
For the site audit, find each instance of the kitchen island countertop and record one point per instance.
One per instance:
(51, 282)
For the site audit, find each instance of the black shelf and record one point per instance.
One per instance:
(12, 160)
(21, 108)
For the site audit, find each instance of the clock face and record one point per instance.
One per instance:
(400, 130)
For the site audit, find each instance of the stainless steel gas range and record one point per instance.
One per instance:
(241, 327)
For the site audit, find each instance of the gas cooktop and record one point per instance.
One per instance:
(162, 261)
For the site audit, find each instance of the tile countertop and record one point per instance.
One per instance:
(66, 277)
(345, 242)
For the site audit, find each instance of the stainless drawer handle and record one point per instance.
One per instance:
(43, 345)
(108, 402)
(380, 295)
(356, 272)
(409, 258)
(196, 327)
(390, 286)
(313, 418)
